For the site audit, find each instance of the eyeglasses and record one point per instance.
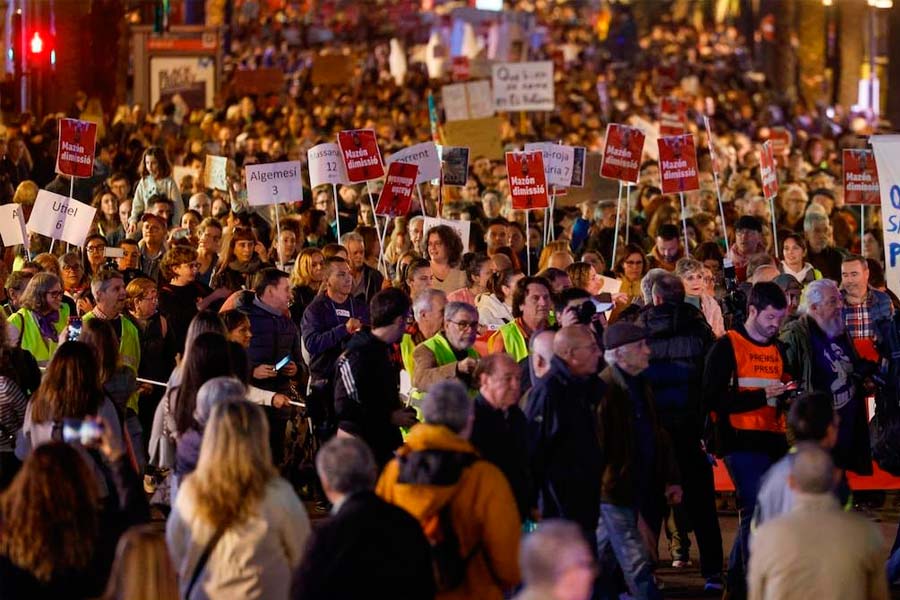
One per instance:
(95, 249)
(55, 294)
(70, 267)
(465, 324)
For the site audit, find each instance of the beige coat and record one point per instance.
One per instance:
(817, 552)
(255, 559)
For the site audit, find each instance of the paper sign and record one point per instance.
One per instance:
(470, 100)
(274, 183)
(482, 136)
(527, 180)
(672, 116)
(460, 227)
(577, 167)
(396, 195)
(77, 140)
(361, 155)
(559, 161)
(61, 218)
(424, 156)
(887, 156)
(678, 164)
(455, 163)
(622, 153)
(767, 171)
(523, 86)
(326, 165)
(12, 225)
(215, 172)
(860, 177)
(179, 173)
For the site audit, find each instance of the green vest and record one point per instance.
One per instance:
(30, 337)
(407, 346)
(129, 350)
(514, 341)
(443, 354)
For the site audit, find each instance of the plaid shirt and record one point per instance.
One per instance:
(860, 319)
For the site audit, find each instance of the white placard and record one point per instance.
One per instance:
(456, 105)
(12, 225)
(523, 86)
(215, 173)
(179, 173)
(470, 100)
(274, 183)
(326, 165)
(61, 218)
(460, 227)
(425, 156)
(887, 159)
(559, 161)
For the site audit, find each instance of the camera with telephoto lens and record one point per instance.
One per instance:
(111, 254)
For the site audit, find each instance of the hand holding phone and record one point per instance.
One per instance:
(74, 330)
(283, 362)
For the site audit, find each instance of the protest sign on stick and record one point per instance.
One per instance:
(215, 172)
(559, 161)
(769, 176)
(424, 155)
(887, 158)
(362, 158)
(454, 165)
(860, 177)
(396, 195)
(527, 180)
(77, 140)
(274, 183)
(710, 142)
(12, 225)
(678, 171)
(61, 218)
(326, 166)
(622, 153)
(672, 116)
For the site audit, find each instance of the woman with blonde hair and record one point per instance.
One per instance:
(306, 279)
(554, 247)
(238, 513)
(142, 569)
(690, 271)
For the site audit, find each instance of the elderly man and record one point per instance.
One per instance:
(638, 464)
(367, 545)
(366, 281)
(499, 429)
(448, 354)
(541, 356)
(822, 254)
(438, 478)
(563, 444)
(867, 311)
(817, 550)
(556, 563)
(531, 306)
(428, 319)
(819, 351)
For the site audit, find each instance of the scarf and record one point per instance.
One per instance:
(47, 324)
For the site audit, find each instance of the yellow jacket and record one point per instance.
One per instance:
(482, 509)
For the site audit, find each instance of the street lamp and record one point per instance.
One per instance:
(873, 86)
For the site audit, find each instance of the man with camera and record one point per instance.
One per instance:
(819, 350)
(746, 377)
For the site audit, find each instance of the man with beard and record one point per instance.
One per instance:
(819, 350)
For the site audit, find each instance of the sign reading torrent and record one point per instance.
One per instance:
(12, 225)
(424, 156)
(527, 180)
(860, 177)
(622, 153)
(523, 86)
(396, 195)
(678, 164)
(672, 116)
(61, 218)
(215, 172)
(326, 165)
(361, 155)
(274, 183)
(767, 171)
(77, 139)
(559, 161)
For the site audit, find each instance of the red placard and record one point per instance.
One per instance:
(396, 195)
(622, 153)
(75, 156)
(781, 140)
(361, 155)
(460, 68)
(767, 171)
(527, 180)
(672, 116)
(678, 164)
(860, 178)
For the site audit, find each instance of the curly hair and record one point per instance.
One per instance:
(175, 256)
(50, 513)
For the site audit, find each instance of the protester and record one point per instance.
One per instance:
(478, 269)
(448, 354)
(19, 378)
(152, 245)
(180, 294)
(42, 318)
(866, 312)
(444, 250)
(209, 235)
(793, 263)
(307, 276)
(142, 569)
(531, 309)
(240, 262)
(367, 547)
(155, 172)
(495, 304)
(667, 248)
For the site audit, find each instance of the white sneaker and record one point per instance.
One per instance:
(681, 564)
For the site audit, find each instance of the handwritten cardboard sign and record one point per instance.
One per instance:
(523, 86)
(481, 136)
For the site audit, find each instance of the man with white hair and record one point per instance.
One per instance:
(428, 319)
(366, 281)
(820, 242)
(556, 563)
(201, 203)
(449, 354)
(819, 351)
(816, 550)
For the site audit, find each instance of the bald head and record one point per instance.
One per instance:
(765, 273)
(813, 470)
(576, 346)
(542, 352)
(569, 338)
(501, 261)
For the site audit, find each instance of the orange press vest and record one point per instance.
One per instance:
(757, 367)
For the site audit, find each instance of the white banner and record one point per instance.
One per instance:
(523, 86)
(61, 218)
(425, 156)
(12, 225)
(326, 166)
(215, 173)
(471, 100)
(460, 227)
(559, 161)
(887, 159)
(274, 183)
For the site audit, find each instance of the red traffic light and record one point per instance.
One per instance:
(36, 44)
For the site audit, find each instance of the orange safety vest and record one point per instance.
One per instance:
(757, 367)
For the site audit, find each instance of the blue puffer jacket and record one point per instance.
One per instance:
(274, 337)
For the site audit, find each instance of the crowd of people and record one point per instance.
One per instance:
(318, 416)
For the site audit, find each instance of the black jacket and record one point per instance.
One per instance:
(563, 446)
(369, 549)
(366, 392)
(274, 337)
(502, 438)
(679, 338)
(325, 333)
(371, 284)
